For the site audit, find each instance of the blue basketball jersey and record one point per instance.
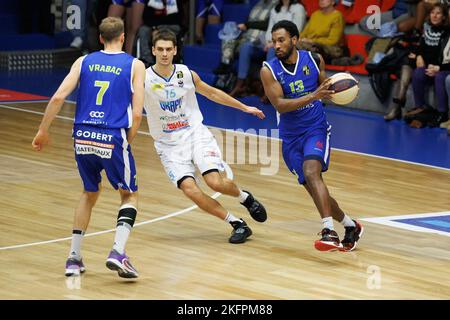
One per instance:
(302, 81)
(105, 91)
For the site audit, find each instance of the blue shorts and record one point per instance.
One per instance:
(314, 144)
(100, 148)
(127, 3)
(209, 7)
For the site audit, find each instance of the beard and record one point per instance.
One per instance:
(284, 57)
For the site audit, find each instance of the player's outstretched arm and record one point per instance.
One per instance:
(138, 98)
(221, 97)
(56, 102)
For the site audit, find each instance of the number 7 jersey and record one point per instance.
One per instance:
(105, 91)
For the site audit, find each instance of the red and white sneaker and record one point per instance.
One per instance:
(352, 236)
(329, 241)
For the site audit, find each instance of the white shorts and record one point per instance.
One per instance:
(198, 149)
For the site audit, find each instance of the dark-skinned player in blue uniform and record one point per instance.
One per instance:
(295, 83)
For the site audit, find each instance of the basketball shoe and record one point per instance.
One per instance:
(241, 232)
(329, 241)
(352, 235)
(74, 267)
(121, 263)
(255, 208)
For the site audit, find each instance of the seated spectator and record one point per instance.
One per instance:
(134, 10)
(324, 32)
(211, 9)
(402, 13)
(429, 63)
(250, 44)
(155, 19)
(290, 10)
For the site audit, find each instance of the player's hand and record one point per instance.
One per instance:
(255, 111)
(322, 91)
(40, 140)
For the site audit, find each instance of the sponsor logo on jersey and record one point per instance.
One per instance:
(174, 126)
(94, 135)
(100, 152)
(93, 143)
(171, 106)
(180, 74)
(306, 70)
(319, 144)
(96, 114)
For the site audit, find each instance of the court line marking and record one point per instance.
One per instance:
(228, 171)
(263, 137)
(167, 216)
(387, 221)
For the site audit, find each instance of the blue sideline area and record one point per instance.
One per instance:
(352, 130)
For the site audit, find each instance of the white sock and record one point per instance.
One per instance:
(231, 218)
(122, 233)
(348, 222)
(242, 196)
(75, 248)
(328, 223)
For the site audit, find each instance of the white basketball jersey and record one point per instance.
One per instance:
(171, 105)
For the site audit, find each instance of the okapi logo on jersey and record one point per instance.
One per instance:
(306, 70)
(180, 75)
(171, 106)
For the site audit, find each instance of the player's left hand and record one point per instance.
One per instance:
(255, 111)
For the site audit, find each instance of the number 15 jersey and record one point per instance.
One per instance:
(105, 90)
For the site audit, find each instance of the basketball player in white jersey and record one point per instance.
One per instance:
(183, 142)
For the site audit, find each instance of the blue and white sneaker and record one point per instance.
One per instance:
(74, 267)
(121, 263)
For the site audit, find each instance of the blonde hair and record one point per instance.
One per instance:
(111, 28)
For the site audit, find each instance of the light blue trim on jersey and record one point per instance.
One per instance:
(165, 79)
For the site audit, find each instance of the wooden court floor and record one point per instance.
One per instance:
(187, 256)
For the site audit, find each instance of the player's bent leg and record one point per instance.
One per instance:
(117, 259)
(204, 202)
(240, 232)
(226, 186)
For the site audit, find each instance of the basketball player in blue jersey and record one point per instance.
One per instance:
(108, 114)
(295, 82)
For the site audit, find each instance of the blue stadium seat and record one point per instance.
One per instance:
(206, 56)
(236, 12)
(211, 31)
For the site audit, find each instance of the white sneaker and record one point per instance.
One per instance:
(77, 43)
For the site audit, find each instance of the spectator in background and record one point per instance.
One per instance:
(324, 32)
(290, 10)
(428, 62)
(80, 34)
(249, 44)
(133, 19)
(402, 13)
(211, 9)
(154, 20)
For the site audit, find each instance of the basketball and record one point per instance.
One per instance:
(345, 87)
